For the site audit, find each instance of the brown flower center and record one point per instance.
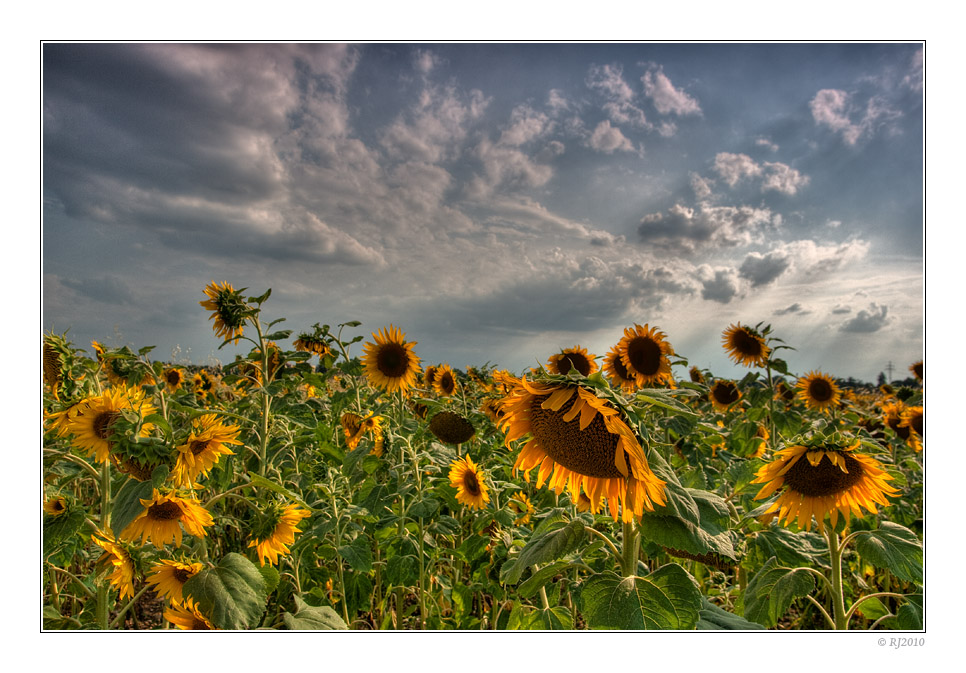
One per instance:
(725, 393)
(103, 422)
(165, 511)
(644, 355)
(746, 343)
(820, 390)
(618, 366)
(446, 383)
(824, 478)
(198, 446)
(470, 483)
(183, 574)
(573, 360)
(589, 451)
(393, 360)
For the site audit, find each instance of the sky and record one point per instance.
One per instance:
(496, 202)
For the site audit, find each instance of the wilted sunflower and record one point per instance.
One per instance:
(116, 559)
(820, 480)
(228, 310)
(724, 394)
(520, 505)
(276, 532)
(644, 353)
(451, 428)
(162, 518)
(92, 424)
(617, 372)
(818, 391)
(188, 617)
(55, 506)
(584, 442)
(312, 343)
(577, 358)
(168, 578)
(470, 483)
(390, 362)
(745, 345)
(444, 383)
(205, 445)
(173, 379)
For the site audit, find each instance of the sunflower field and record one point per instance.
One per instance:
(329, 485)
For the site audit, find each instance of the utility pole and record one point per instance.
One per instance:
(889, 369)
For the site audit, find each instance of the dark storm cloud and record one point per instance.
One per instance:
(763, 269)
(795, 308)
(107, 289)
(867, 320)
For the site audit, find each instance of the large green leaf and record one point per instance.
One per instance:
(262, 482)
(232, 594)
(309, 618)
(706, 537)
(358, 554)
(524, 618)
(668, 598)
(773, 588)
(792, 549)
(57, 529)
(713, 618)
(556, 542)
(909, 614)
(402, 570)
(894, 547)
(540, 578)
(127, 503)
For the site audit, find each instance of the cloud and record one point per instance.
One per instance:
(915, 79)
(684, 229)
(813, 259)
(775, 176)
(867, 320)
(666, 98)
(700, 186)
(434, 129)
(526, 124)
(734, 167)
(425, 61)
(835, 109)
(764, 269)
(782, 178)
(720, 285)
(609, 139)
(107, 288)
(608, 81)
(795, 308)
(767, 144)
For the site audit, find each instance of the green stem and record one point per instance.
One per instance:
(120, 615)
(422, 577)
(338, 541)
(838, 596)
(881, 594)
(630, 544)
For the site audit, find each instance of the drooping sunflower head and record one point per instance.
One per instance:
(356, 427)
(493, 409)
(444, 383)
(275, 530)
(818, 391)
(204, 447)
(228, 310)
(572, 358)
(520, 505)
(390, 362)
(470, 483)
(117, 561)
(697, 376)
(822, 476)
(168, 577)
(314, 342)
(724, 394)
(429, 376)
(451, 428)
(163, 516)
(577, 438)
(644, 353)
(617, 372)
(745, 345)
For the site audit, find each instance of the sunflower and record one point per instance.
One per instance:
(59, 421)
(818, 391)
(429, 376)
(311, 343)
(228, 310)
(355, 426)
(173, 379)
(644, 353)
(918, 370)
(169, 576)
(92, 424)
(188, 617)
(696, 375)
(390, 362)
(444, 383)
(582, 502)
(724, 394)
(912, 418)
(451, 428)
(521, 506)
(53, 367)
(205, 445)
(276, 532)
(116, 559)
(584, 442)
(822, 479)
(470, 483)
(492, 409)
(162, 518)
(572, 358)
(745, 345)
(783, 392)
(892, 415)
(617, 372)
(55, 506)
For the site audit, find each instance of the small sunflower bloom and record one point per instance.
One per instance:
(470, 483)
(167, 577)
(724, 394)
(745, 345)
(55, 506)
(390, 362)
(205, 446)
(118, 561)
(92, 422)
(617, 371)
(163, 517)
(572, 358)
(818, 391)
(173, 379)
(520, 505)
(277, 533)
(444, 382)
(644, 353)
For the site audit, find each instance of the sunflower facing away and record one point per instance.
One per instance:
(822, 479)
(311, 343)
(188, 617)
(168, 577)
(470, 483)
(617, 372)
(577, 358)
(228, 310)
(818, 391)
(276, 532)
(444, 383)
(53, 364)
(390, 362)
(117, 560)
(451, 428)
(92, 423)
(205, 445)
(644, 353)
(583, 441)
(162, 518)
(724, 394)
(745, 345)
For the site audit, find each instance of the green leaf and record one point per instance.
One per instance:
(792, 549)
(424, 509)
(232, 594)
(909, 614)
(713, 618)
(527, 618)
(557, 542)
(271, 576)
(57, 529)
(309, 618)
(894, 547)
(354, 457)
(127, 503)
(278, 336)
(358, 554)
(402, 570)
(666, 599)
(773, 588)
(262, 482)
(871, 608)
(540, 578)
(709, 535)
